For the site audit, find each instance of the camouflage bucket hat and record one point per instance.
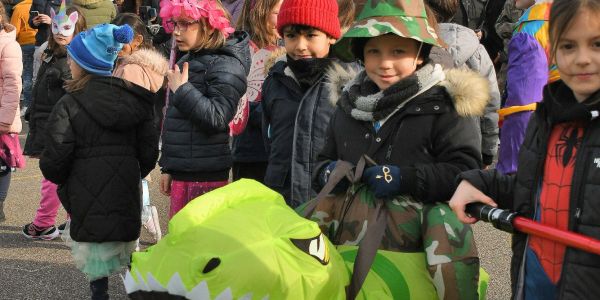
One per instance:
(404, 18)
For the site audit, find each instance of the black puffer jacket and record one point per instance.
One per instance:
(579, 276)
(195, 141)
(295, 124)
(432, 138)
(47, 91)
(101, 142)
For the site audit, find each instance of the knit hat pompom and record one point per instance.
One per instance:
(123, 34)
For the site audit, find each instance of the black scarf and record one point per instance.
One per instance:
(308, 71)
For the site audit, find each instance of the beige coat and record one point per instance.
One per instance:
(145, 67)
(11, 68)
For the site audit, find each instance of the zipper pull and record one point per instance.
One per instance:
(577, 213)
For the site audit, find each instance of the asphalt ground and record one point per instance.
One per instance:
(44, 270)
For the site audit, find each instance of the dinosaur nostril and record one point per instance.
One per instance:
(212, 264)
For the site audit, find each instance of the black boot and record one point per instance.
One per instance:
(99, 289)
(2, 216)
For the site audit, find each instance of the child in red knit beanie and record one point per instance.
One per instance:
(296, 106)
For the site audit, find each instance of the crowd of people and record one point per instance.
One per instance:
(455, 101)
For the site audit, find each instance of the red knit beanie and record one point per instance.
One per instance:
(320, 14)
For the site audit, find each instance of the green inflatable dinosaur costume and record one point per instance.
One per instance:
(243, 242)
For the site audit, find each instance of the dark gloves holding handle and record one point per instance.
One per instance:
(384, 180)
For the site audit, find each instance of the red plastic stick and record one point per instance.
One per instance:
(567, 238)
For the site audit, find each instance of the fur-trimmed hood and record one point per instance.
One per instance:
(469, 91)
(145, 67)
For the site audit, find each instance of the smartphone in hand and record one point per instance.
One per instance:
(33, 14)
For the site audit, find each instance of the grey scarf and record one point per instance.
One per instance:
(362, 99)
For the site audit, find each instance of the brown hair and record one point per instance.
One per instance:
(80, 26)
(346, 13)
(562, 13)
(74, 85)
(5, 23)
(254, 20)
(443, 10)
(214, 40)
(137, 25)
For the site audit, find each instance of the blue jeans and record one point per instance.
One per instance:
(27, 73)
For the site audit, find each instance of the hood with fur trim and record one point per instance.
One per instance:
(469, 91)
(145, 67)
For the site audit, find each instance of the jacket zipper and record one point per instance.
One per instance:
(580, 160)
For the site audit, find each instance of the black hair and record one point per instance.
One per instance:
(300, 29)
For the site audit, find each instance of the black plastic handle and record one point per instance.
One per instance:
(500, 218)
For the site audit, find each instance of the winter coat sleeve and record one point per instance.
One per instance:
(11, 66)
(55, 162)
(255, 117)
(147, 147)
(494, 184)
(489, 122)
(456, 147)
(38, 5)
(213, 110)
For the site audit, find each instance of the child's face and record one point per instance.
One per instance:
(186, 33)
(578, 55)
(61, 39)
(307, 44)
(524, 4)
(272, 21)
(389, 58)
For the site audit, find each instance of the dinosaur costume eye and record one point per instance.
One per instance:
(212, 264)
(315, 247)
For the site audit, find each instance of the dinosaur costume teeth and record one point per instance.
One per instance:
(176, 288)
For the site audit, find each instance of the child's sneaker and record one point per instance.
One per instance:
(61, 228)
(33, 232)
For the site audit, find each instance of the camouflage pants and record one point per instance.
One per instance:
(412, 226)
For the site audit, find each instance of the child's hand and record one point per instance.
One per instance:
(176, 78)
(43, 19)
(165, 184)
(466, 193)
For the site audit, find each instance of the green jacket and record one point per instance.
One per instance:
(96, 11)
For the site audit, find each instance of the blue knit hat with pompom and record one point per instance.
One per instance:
(96, 49)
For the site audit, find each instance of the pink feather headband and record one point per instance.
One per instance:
(196, 9)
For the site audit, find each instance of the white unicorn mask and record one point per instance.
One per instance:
(61, 23)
